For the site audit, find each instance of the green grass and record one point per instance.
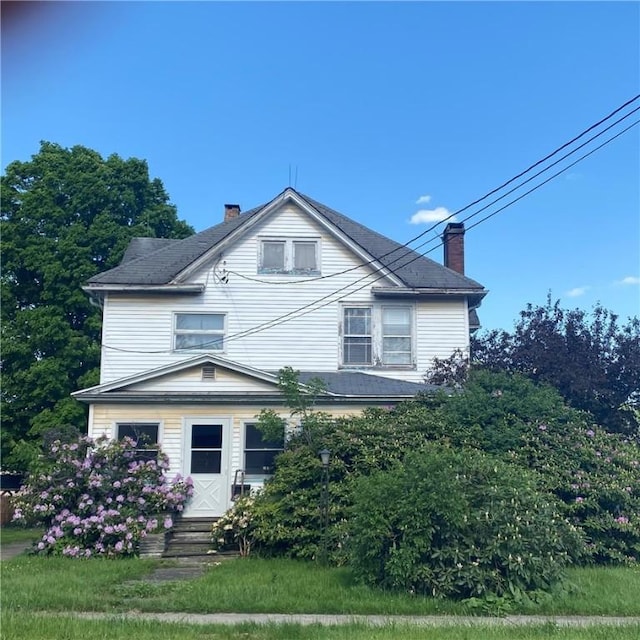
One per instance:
(18, 627)
(10, 534)
(270, 586)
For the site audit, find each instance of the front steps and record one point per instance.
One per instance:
(190, 539)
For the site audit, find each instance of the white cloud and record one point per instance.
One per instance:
(431, 215)
(629, 280)
(577, 292)
(423, 200)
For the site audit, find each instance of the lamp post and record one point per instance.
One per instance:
(325, 456)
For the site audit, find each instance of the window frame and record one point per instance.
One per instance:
(221, 333)
(289, 258)
(378, 336)
(142, 423)
(346, 335)
(384, 335)
(266, 472)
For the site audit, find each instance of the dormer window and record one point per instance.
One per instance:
(298, 257)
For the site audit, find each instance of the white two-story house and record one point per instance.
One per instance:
(195, 331)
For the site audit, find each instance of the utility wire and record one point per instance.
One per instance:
(305, 310)
(471, 204)
(414, 256)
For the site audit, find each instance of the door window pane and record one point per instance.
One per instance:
(206, 461)
(206, 436)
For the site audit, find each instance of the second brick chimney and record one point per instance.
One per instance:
(231, 211)
(453, 242)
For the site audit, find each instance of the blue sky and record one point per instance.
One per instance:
(380, 110)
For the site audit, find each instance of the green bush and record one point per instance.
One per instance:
(595, 475)
(458, 523)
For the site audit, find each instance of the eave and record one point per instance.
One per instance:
(177, 289)
(475, 295)
(146, 397)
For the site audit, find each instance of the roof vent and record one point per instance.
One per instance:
(208, 372)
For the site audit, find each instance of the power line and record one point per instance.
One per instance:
(304, 310)
(477, 201)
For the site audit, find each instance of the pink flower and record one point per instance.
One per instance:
(579, 499)
(168, 522)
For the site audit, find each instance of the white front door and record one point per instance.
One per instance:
(207, 443)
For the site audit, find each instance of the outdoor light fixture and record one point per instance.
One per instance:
(325, 454)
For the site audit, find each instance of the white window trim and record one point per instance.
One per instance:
(289, 269)
(377, 336)
(214, 333)
(115, 428)
(243, 449)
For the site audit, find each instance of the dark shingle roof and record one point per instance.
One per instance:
(166, 260)
(139, 247)
(412, 268)
(356, 383)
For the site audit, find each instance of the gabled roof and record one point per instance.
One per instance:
(165, 260)
(339, 385)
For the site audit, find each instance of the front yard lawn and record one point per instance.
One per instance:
(270, 586)
(37, 627)
(10, 534)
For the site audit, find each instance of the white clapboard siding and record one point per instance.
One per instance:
(225, 381)
(138, 330)
(172, 419)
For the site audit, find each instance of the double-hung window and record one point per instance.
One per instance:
(260, 453)
(377, 335)
(396, 335)
(297, 257)
(358, 340)
(199, 331)
(144, 434)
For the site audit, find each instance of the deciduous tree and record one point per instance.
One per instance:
(66, 215)
(592, 359)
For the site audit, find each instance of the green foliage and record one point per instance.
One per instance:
(66, 215)
(235, 529)
(594, 473)
(502, 414)
(100, 498)
(460, 524)
(593, 361)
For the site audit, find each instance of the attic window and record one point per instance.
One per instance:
(208, 372)
(298, 257)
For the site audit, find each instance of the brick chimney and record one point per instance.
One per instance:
(231, 211)
(453, 242)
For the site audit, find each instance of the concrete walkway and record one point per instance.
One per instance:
(373, 620)
(187, 570)
(8, 551)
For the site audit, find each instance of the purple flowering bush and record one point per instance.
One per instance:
(100, 498)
